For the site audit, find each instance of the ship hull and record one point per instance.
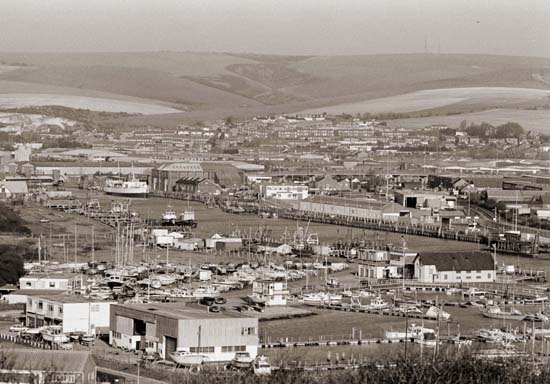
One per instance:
(136, 194)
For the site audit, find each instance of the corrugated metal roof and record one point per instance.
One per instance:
(182, 167)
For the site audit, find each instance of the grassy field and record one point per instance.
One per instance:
(531, 120)
(211, 85)
(434, 98)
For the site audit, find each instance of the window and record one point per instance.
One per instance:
(445, 277)
(50, 307)
(478, 277)
(489, 275)
(28, 284)
(40, 305)
(468, 277)
(60, 309)
(201, 349)
(248, 331)
(234, 348)
(52, 284)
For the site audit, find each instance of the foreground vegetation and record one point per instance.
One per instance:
(451, 369)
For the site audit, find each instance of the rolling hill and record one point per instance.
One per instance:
(212, 85)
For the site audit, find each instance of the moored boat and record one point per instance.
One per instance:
(495, 312)
(242, 360)
(186, 358)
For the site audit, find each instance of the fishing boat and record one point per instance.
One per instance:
(322, 298)
(242, 360)
(495, 312)
(419, 334)
(377, 303)
(129, 188)
(333, 283)
(508, 352)
(187, 218)
(536, 317)
(495, 335)
(205, 291)
(438, 313)
(261, 366)
(186, 358)
(54, 334)
(169, 217)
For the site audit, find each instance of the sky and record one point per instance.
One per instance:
(325, 27)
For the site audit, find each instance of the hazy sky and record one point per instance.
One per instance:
(516, 27)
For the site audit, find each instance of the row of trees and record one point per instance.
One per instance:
(13, 256)
(486, 130)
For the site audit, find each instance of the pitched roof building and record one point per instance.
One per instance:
(455, 267)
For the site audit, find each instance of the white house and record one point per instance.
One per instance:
(270, 292)
(455, 267)
(74, 313)
(52, 281)
(13, 189)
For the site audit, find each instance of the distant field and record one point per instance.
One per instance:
(17, 100)
(434, 98)
(217, 85)
(538, 121)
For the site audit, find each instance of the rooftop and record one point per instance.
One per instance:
(458, 261)
(69, 299)
(54, 275)
(181, 311)
(39, 359)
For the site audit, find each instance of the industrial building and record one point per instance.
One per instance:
(165, 178)
(166, 328)
(284, 192)
(419, 199)
(338, 207)
(74, 313)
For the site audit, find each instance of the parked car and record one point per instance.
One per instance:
(66, 346)
(220, 300)
(208, 301)
(18, 328)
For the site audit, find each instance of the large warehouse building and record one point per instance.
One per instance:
(225, 174)
(352, 208)
(166, 328)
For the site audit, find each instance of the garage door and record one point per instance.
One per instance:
(171, 344)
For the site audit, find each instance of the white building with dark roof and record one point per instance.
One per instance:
(455, 267)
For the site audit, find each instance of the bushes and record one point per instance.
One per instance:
(10, 222)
